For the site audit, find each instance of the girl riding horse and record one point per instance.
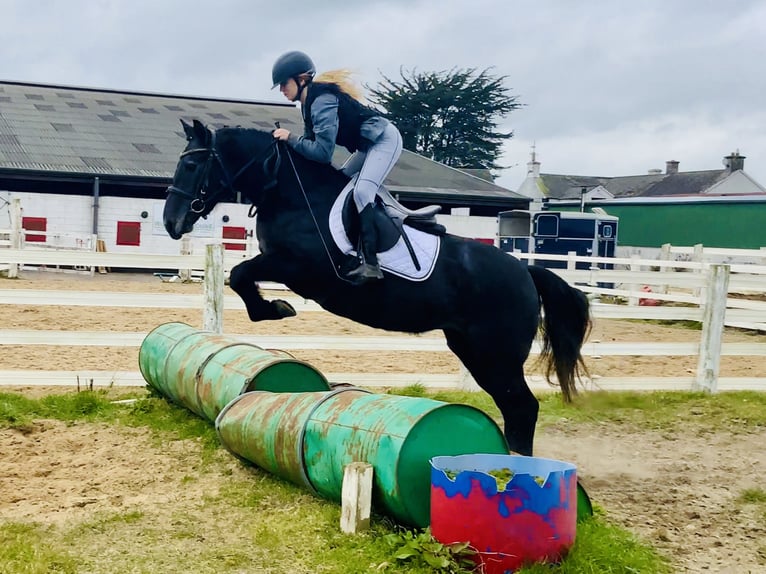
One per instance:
(332, 114)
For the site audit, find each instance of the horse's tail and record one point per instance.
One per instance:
(565, 325)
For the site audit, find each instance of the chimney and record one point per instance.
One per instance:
(671, 167)
(654, 171)
(734, 161)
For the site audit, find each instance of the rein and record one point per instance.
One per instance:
(335, 266)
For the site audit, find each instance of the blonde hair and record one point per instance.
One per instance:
(343, 79)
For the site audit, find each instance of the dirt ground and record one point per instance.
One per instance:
(677, 492)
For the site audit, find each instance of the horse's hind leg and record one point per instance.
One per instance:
(500, 373)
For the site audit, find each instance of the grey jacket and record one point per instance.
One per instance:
(324, 116)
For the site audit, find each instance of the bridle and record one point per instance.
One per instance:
(270, 160)
(203, 197)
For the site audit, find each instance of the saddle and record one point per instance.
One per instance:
(391, 219)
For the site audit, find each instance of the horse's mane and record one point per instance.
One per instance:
(308, 169)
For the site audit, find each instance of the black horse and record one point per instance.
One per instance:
(487, 303)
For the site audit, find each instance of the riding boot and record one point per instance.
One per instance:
(368, 269)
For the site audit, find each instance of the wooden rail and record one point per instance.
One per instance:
(700, 292)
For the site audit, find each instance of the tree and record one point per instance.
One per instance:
(451, 117)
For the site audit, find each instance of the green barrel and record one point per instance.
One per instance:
(204, 371)
(182, 365)
(237, 368)
(398, 436)
(309, 438)
(155, 347)
(169, 358)
(281, 353)
(267, 429)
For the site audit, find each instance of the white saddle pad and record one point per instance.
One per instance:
(396, 260)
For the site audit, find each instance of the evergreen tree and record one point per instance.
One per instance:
(451, 117)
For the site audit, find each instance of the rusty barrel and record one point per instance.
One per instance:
(309, 438)
(169, 359)
(204, 371)
(238, 368)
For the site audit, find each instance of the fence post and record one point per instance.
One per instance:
(635, 266)
(356, 497)
(466, 382)
(212, 313)
(17, 235)
(699, 257)
(665, 255)
(185, 274)
(713, 315)
(571, 260)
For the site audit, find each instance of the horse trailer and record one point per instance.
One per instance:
(557, 233)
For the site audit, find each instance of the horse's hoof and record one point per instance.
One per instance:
(283, 308)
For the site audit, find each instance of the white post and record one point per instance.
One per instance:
(356, 497)
(17, 235)
(91, 246)
(664, 256)
(699, 257)
(212, 313)
(185, 274)
(571, 263)
(634, 268)
(713, 315)
(466, 382)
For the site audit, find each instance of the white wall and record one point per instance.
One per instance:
(73, 214)
(738, 183)
(473, 227)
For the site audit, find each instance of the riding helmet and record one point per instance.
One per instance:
(290, 65)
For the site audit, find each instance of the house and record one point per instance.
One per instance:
(717, 208)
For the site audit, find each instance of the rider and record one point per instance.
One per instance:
(333, 114)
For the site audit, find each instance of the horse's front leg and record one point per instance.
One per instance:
(243, 279)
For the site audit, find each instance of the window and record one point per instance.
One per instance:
(231, 232)
(35, 224)
(129, 233)
(547, 226)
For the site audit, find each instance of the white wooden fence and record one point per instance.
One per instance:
(699, 291)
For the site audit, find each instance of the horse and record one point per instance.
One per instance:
(489, 305)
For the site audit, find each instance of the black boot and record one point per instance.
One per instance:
(368, 269)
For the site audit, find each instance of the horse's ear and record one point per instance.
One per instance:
(188, 130)
(200, 131)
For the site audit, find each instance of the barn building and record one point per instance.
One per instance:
(96, 162)
(718, 208)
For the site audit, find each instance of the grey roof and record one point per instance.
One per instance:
(74, 130)
(648, 185)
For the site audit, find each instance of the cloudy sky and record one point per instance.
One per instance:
(609, 87)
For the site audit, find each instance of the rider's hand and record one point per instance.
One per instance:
(281, 134)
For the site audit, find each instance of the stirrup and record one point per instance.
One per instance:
(365, 272)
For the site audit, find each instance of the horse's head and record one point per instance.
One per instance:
(203, 176)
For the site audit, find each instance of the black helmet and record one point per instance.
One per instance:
(289, 65)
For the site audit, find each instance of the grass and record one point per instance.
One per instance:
(254, 522)
(25, 548)
(663, 411)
